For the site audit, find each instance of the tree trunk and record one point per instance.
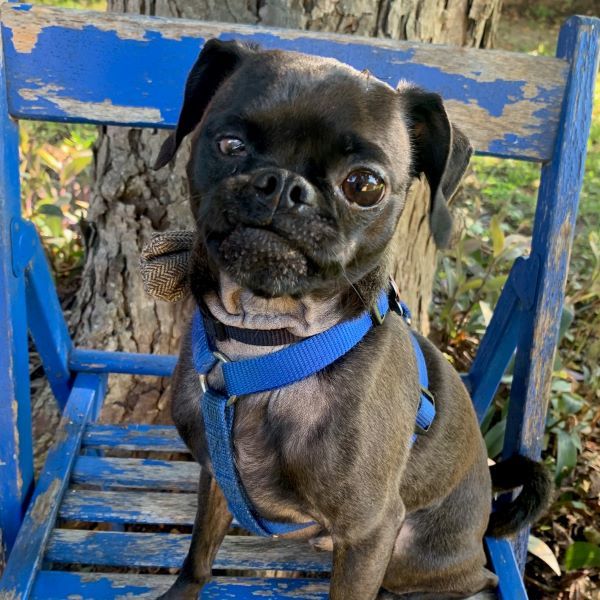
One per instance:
(131, 201)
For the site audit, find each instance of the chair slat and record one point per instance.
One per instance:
(507, 103)
(158, 438)
(58, 585)
(99, 361)
(145, 473)
(129, 507)
(167, 550)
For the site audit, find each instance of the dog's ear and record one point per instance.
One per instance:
(440, 150)
(216, 62)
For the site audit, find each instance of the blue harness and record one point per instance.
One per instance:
(272, 371)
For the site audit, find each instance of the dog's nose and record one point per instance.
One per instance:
(276, 187)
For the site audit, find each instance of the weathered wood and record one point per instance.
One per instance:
(58, 585)
(554, 226)
(16, 452)
(507, 103)
(26, 556)
(240, 552)
(157, 438)
(503, 563)
(46, 322)
(145, 473)
(129, 507)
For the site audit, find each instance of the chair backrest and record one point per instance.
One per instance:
(78, 66)
(123, 70)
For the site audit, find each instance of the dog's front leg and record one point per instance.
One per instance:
(212, 522)
(361, 555)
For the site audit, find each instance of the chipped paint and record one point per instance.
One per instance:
(44, 503)
(11, 595)
(91, 110)
(515, 91)
(482, 128)
(25, 32)
(508, 66)
(14, 405)
(34, 94)
(25, 35)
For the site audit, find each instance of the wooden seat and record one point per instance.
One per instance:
(110, 515)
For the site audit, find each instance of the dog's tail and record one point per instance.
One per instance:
(529, 505)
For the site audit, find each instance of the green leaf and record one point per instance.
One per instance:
(566, 454)
(489, 415)
(568, 404)
(592, 535)
(497, 235)
(566, 318)
(79, 162)
(49, 160)
(540, 549)
(582, 555)
(450, 276)
(470, 284)
(494, 438)
(49, 209)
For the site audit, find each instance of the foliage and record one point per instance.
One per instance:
(581, 555)
(81, 4)
(55, 186)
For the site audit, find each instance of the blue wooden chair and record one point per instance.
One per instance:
(96, 68)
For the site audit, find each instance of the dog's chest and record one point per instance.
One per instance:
(282, 443)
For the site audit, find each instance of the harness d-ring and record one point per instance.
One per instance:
(203, 377)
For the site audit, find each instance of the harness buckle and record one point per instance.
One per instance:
(396, 303)
(420, 429)
(203, 377)
(376, 316)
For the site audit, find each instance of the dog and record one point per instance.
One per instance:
(298, 175)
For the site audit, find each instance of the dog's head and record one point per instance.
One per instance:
(300, 166)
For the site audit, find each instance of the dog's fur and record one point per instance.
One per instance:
(333, 448)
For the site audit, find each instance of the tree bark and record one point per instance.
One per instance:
(131, 201)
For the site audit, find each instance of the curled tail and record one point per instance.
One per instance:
(529, 505)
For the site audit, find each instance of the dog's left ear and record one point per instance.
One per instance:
(216, 62)
(440, 150)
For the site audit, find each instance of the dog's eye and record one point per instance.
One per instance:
(363, 187)
(231, 146)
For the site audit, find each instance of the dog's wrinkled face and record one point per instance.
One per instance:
(300, 166)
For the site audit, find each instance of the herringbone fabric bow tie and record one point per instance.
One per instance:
(164, 264)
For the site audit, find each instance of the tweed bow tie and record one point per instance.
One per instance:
(164, 264)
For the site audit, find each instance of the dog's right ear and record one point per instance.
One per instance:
(216, 62)
(439, 150)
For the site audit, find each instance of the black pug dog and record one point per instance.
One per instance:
(299, 172)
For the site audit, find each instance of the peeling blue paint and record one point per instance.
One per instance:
(168, 550)
(80, 65)
(52, 585)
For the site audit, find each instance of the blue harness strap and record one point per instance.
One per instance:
(268, 372)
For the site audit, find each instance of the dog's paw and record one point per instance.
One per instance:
(322, 543)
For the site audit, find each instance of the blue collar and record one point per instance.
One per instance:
(272, 371)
